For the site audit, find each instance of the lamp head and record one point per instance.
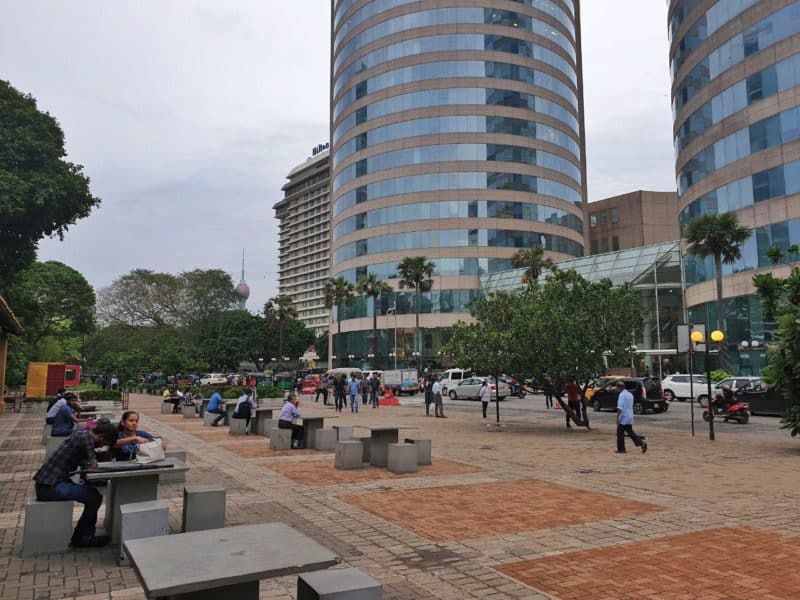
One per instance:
(697, 337)
(717, 336)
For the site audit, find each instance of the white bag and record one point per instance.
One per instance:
(149, 452)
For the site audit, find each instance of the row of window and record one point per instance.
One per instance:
(453, 97)
(603, 217)
(456, 124)
(452, 42)
(782, 180)
(441, 267)
(683, 10)
(774, 79)
(602, 246)
(419, 155)
(754, 252)
(404, 303)
(453, 16)
(432, 182)
(451, 69)
(458, 209)
(455, 238)
(778, 26)
(767, 133)
(714, 18)
(378, 6)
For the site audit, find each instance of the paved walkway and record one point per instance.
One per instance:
(533, 511)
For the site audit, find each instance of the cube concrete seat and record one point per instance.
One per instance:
(402, 458)
(325, 440)
(180, 454)
(208, 418)
(349, 455)
(48, 527)
(53, 443)
(423, 446)
(142, 520)
(166, 408)
(238, 427)
(46, 431)
(343, 432)
(338, 584)
(280, 439)
(266, 426)
(189, 412)
(366, 443)
(203, 507)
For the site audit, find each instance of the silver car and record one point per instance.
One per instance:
(468, 389)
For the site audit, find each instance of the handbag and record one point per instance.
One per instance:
(149, 452)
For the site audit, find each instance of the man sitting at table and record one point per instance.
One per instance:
(53, 480)
(289, 413)
(216, 406)
(66, 418)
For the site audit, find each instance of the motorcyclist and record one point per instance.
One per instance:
(725, 399)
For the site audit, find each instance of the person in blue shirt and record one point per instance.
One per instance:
(66, 418)
(129, 437)
(352, 387)
(216, 406)
(625, 420)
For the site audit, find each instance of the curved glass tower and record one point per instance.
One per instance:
(456, 134)
(736, 105)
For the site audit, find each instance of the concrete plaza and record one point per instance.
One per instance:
(532, 511)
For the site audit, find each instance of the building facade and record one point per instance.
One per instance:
(736, 103)
(640, 218)
(456, 134)
(304, 237)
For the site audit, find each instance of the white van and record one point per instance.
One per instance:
(451, 377)
(346, 371)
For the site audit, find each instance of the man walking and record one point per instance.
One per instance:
(625, 420)
(374, 388)
(339, 393)
(438, 406)
(485, 394)
(352, 388)
(573, 401)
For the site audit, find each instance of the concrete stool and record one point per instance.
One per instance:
(53, 443)
(48, 527)
(343, 432)
(325, 440)
(349, 455)
(280, 439)
(203, 507)
(189, 412)
(402, 458)
(338, 584)
(238, 427)
(46, 431)
(423, 449)
(208, 418)
(267, 425)
(142, 520)
(166, 408)
(180, 454)
(365, 446)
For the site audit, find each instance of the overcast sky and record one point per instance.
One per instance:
(188, 114)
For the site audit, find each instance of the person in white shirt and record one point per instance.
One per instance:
(244, 408)
(290, 412)
(438, 406)
(485, 394)
(625, 420)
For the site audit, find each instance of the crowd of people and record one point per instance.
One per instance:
(364, 391)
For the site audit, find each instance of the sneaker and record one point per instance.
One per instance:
(91, 541)
(644, 447)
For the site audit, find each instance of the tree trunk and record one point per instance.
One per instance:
(724, 359)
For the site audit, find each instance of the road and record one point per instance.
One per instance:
(677, 418)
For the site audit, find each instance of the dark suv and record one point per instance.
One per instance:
(647, 395)
(764, 399)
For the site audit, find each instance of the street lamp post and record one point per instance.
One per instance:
(350, 358)
(394, 356)
(698, 338)
(633, 349)
(260, 364)
(746, 345)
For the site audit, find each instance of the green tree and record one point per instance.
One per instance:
(280, 310)
(534, 261)
(41, 194)
(206, 291)
(415, 273)
(321, 346)
(371, 287)
(227, 338)
(338, 291)
(127, 365)
(142, 297)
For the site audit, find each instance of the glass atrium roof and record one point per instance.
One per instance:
(621, 267)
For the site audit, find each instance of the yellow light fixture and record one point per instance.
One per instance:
(717, 336)
(697, 337)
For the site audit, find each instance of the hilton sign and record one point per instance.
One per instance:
(320, 148)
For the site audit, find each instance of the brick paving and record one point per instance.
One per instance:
(531, 512)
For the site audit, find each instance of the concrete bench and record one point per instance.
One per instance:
(52, 445)
(142, 520)
(402, 458)
(238, 427)
(189, 412)
(166, 408)
(324, 440)
(366, 444)
(208, 418)
(265, 426)
(46, 431)
(423, 446)
(280, 439)
(349, 455)
(180, 477)
(343, 432)
(203, 507)
(338, 584)
(48, 527)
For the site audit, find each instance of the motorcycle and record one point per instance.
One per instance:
(516, 388)
(733, 410)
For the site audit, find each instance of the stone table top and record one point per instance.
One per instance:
(385, 427)
(125, 469)
(189, 562)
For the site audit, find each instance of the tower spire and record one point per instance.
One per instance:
(242, 290)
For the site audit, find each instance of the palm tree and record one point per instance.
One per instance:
(534, 260)
(415, 272)
(338, 291)
(280, 309)
(718, 236)
(372, 287)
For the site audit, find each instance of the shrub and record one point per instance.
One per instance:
(719, 375)
(791, 420)
(100, 395)
(269, 391)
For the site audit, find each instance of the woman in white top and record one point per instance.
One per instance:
(244, 407)
(485, 394)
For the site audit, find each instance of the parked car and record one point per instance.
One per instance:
(646, 392)
(213, 379)
(468, 389)
(735, 383)
(596, 384)
(764, 399)
(679, 387)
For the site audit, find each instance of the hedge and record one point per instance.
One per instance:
(100, 395)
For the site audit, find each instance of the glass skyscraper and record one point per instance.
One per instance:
(456, 134)
(736, 104)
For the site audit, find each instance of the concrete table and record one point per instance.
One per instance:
(229, 406)
(128, 484)
(310, 423)
(380, 438)
(262, 415)
(223, 563)
(204, 406)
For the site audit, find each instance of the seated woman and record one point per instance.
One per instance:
(129, 437)
(289, 413)
(66, 417)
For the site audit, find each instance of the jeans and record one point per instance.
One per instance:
(89, 497)
(374, 398)
(297, 431)
(485, 406)
(354, 403)
(324, 393)
(621, 431)
(548, 400)
(340, 400)
(438, 407)
(221, 414)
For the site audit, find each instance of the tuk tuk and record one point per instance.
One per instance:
(283, 381)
